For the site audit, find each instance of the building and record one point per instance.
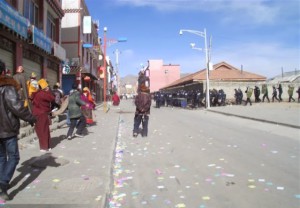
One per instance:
(162, 75)
(30, 36)
(222, 76)
(82, 43)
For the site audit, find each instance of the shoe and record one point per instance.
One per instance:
(3, 193)
(69, 137)
(79, 135)
(47, 150)
(135, 134)
(4, 196)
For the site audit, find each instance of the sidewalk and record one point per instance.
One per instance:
(75, 173)
(284, 113)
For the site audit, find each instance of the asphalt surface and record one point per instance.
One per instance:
(80, 172)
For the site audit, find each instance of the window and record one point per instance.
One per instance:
(31, 11)
(51, 31)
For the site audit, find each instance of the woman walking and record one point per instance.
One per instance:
(87, 109)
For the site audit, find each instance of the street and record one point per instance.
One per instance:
(200, 159)
(191, 158)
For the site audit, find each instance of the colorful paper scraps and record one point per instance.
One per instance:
(205, 198)
(180, 205)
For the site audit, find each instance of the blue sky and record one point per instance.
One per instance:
(261, 35)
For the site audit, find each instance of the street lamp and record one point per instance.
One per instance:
(104, 66)
(202, 34)
(111, 41)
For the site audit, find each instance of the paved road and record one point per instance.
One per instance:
(252, 164)
(202, 159)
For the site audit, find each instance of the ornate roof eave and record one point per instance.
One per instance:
(57, 8)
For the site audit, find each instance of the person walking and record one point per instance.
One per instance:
(240, 96)
(264, 90)
(142, 112)
(248, 92)
(11, 110)
(274, 94)
(298, 91)
(115, 99)
(257, 94)
(279, 91)
(87, 109)
(77, 118)
(58, 96)
(41, 108)
(291, 92)
(20, 77)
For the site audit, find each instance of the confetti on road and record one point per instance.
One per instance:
(206, 198)
(180, 206)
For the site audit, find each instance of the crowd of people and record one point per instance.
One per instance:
(35, 102)
(191, 98)
(195, 99)
(276, 94)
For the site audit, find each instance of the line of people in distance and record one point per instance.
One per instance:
(194, 98)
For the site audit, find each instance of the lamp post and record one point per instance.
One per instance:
(104, 66)
(110, 42)
(202, 34)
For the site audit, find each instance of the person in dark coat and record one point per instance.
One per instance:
(298, 91)
(41, 108)
(257, 94)
(274, 95)
(142, 112)
(11, 110)
(279, 92)
(77, 118)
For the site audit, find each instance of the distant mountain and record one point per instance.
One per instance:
(129, 79)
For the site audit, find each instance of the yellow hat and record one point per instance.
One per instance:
(43, 83)
(86, 89)
(33, 75)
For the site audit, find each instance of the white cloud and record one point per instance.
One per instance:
(264, 59)
(256, 11)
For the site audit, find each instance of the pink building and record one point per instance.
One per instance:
(162, 75)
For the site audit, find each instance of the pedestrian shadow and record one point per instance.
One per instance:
(30, 170)
(56, 140)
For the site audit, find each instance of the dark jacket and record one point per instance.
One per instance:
(11, 108)
(41, 101)
(143, 103)
(74, 104)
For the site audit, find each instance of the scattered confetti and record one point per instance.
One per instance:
(205, 198)
(280, 188)
(98, 198)
(180, 205)
(297, 196)
(55, 180)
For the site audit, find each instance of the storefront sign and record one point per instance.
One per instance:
(59, 51)
(12, 19)
(41, 40)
